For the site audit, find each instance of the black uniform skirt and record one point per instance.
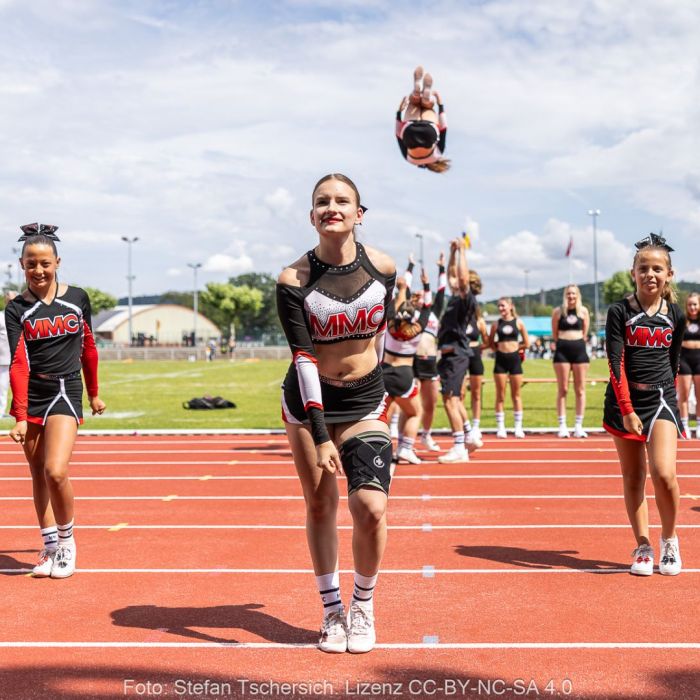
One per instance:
(50, 396)
(425, 368)
(571, 351)
(362, 399)
(659, 403)
(399, 381)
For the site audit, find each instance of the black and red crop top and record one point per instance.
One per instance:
(570, 321)
(338, 303)
(50, 338)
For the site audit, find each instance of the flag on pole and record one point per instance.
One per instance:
(570, 247)
(466, 240)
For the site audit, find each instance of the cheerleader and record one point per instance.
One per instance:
(689, 373)
(505, 338)
(570, 323)
(332, 305)
(49, 328)
(643, 336)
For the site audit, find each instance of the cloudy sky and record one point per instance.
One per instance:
(201, 127)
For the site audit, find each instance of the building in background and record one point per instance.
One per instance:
(153, 324)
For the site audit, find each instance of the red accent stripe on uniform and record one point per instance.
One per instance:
(88, 359)
(312, 404)
(624, 434)
(621, 387)
(19, 380)
(302, 353)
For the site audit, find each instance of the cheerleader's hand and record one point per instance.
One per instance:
(97, 405)
(328, 459)
(632, 424)
(19, 432)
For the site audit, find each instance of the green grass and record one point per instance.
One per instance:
(141, 395)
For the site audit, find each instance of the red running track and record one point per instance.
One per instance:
(505, 577)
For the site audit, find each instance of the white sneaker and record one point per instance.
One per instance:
(334, 633)
(43, 567)
(64, 561)
(670, 564)
(519, 433)
(429, 444)
(473, 442)
(563, 432)
(455, 454)
(476, 434)
(580, 433)
(501, 433)
(642, 561)
(361, 634)
(408, 455)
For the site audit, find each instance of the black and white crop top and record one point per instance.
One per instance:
(338, 303)
(570, 321)
(692, 330)
(507, 330)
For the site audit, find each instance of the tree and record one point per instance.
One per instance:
(100, 301)
(265, 320)
(617, 286)
(228, 302)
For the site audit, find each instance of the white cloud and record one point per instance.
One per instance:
(280, 201)
(228, 264)
(174, 272)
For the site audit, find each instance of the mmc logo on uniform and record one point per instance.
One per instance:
(649, 337)
(341, 324)
(40, 328)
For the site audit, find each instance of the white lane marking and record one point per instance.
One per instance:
(395, 646)
(261, 526)
(431, 572)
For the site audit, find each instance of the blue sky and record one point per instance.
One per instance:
(200, 127)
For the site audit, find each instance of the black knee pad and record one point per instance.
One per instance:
(366, 460)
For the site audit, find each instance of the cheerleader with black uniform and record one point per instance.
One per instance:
(570, 323)
(689, 373)
(643, 335)
(49, 328)
(504, 338)
(477, 333)
(332, 304)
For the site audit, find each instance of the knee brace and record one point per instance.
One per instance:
(366, 461)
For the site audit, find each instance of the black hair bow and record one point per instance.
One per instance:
(653, 239)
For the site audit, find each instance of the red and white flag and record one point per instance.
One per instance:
(570, 247)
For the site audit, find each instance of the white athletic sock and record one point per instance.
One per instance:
(684, 421)
(329, 588)
(518, 417)
(50, 537)
(406, 443)
(500, 420)
(394, 423)
(458, 439)
(65, 534)
(467, 426)
(562, 421)
(363, 592)
(475, 423)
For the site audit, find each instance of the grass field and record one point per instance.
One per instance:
(142, 395)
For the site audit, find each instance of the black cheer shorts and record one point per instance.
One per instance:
(649, 404)
(508, 363)
(690, 361)
(425, 368)
(59, 396)
(571, 351)
(452, 368)
(399, 381)
(362, 399)
(420, 134)
(476, 364)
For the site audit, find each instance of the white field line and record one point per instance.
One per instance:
(289, 463)
(393, 646)
(423, 497)
(398, 477)
(426, 527)
(384, 572)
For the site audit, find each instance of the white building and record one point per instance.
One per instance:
(166, 324)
